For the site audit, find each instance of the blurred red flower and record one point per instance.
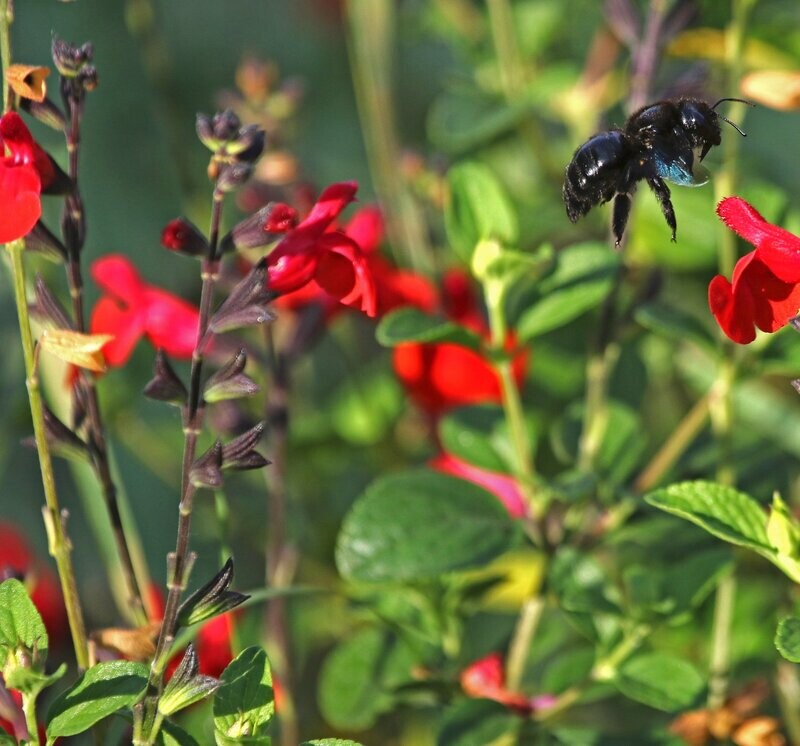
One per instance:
(131, 309)
(17, 560)
(330, 259)
(22, 175)
(764, 290)
(441, 376)
(500, 485)
(486, 679)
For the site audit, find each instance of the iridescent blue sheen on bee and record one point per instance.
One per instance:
(665, 140)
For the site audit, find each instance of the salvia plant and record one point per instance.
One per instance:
(453, 467)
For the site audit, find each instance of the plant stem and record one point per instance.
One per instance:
(719, 665)
(6, 19)
(520, 646)
(677, 443)
(96, 440)
(58, 543)
(179, 562)
(370, 45)
(504, 38)
(788, 692)
(280, 554)
(29, 708)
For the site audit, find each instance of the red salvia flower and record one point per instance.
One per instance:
(502, 486)
(17, 560)
(764, 290)
(20, 179)
(309, 251)
(132, 309)
(441, 376)
(486, 679)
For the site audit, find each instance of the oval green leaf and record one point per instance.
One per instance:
(101, 691)
(787, 638)
(660, 681)
(20, 622)
(477, 435)
(412, 325)
(421, 524)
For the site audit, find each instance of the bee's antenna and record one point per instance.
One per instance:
(725, 119)
(740, 100)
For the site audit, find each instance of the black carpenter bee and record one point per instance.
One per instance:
(660, 141)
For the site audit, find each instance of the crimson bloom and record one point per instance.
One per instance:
(764, 290)
(131, 309)
(393, 287)
(486, 679)
(20, 180)
(502, 486)
(310, 252)
(441, 376)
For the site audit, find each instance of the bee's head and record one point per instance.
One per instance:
(701, 124)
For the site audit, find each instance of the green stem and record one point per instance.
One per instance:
(370, 46)
(29, 708)
(58, 543)
(504, 38)
(520, 646)
(677, 443)
(6, 19)
(719, 665)
(595, 419)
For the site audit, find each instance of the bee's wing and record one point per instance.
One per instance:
(678, 165)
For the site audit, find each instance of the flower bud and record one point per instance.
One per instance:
(165, 385)
(248, 143)
(212, 599)
(46, 112)
(186, 686)
(205, 132)
(225, 125)
(230, 382)
(43, 242)
(183, 236)
(232, 175)
(46, 308)
(261, 228)
(60, 439)
(69, 59)
(239, 454)
(247, 303)
(207, 470)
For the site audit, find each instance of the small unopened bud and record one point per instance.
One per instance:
(47, 310)
(247, 303)
(212, 599)
(61, 440)
(225, 125)
(183, 236)
(186, 686)
(261, 228)
(165, 385)
(232, 175)
(230, 382)
(207, 470)
(44, 242)
(69, 58)
(248, 144)
(239, 454)
(88, 78)
(46, 112)
(205, 131)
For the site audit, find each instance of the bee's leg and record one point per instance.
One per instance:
(661, 190)
(622, 208)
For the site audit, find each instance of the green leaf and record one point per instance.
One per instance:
(582, 277)
(358, 678)
(722, 511)
(421, 524)
(479, 721)
(20, 623)
(787, 638)
(101, 690)
(31, 682)
(478, 208)
(173, 735)
(477, 435)
(366, 405)
(330, 742)
(688, 582)
(6, 739)
(412, 325)
(244, 704)
(580, 583)
(674, 323)
(460, 120)
(660, 681)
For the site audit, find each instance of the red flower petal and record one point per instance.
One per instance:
(170, 323)
(366, 228)
(20, 204)
(126, 324)
(502, 486)
(342, 272)
(117, 276)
